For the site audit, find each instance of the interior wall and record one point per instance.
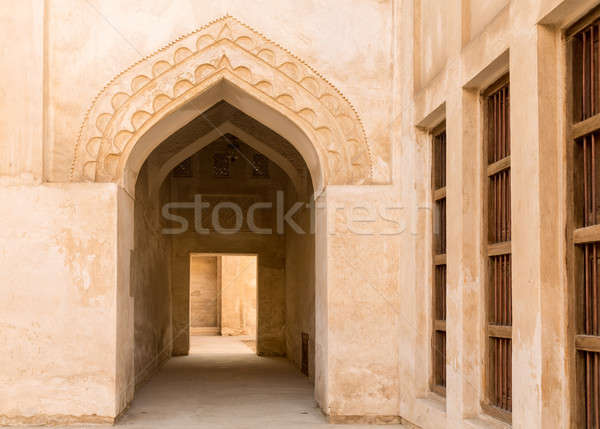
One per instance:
(300, 283)
(238, 295)
(150, 282)
(204, 294)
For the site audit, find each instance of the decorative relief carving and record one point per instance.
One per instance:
(141, 95)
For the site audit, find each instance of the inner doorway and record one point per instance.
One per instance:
(223, 296)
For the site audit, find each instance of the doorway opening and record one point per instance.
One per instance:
(223, 296)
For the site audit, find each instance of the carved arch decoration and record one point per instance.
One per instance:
(225, 48)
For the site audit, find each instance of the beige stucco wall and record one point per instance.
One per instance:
(431, 45)
(300, 283)
(58, 287)
(483, 41)
(479, 14)
(405, 65)
(360, 41)
(358, 317)
(23, 101)
(238, 295)
(150, 281)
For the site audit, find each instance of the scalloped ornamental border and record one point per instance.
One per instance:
(198, 30)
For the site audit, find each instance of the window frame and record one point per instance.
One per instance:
(579, 235)
(490, 250)
(438, 259)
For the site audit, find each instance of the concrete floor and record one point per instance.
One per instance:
(223, 384)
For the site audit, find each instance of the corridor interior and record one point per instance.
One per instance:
(224, 384)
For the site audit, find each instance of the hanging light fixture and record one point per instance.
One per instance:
(233, 148)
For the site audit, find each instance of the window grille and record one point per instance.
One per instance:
(584, 49)
(439, 260)
(499, 285)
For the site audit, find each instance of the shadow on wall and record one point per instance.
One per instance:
(223, 294)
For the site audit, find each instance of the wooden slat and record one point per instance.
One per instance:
(497, 413)
(586, 235)
(490, 90)
(438, 194)
(499, 248)
(439, 259)
(498, 331)
(593, 15)
(588, 343)
(439, 325)
(587, 126)
(439, 129)
(498, 166)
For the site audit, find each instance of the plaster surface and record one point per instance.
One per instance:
(222, 383)
(150, 282)
(300, 285)
(67, 234)
(238, 295)
(204, 292)
(405, 66)
(80, 63)
(21, 159)
(358, 360)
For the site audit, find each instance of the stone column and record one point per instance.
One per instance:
(538, 225)
(357, 304)
(465, 305)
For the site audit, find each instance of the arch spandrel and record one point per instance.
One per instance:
(223, 50)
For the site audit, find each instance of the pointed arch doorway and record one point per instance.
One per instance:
(142, 107)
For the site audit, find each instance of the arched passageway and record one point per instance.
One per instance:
(227, 197)
(218, 93)
(221, 92)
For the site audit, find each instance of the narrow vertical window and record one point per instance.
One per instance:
(585, 131)
(439, 260)
(499, 291)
